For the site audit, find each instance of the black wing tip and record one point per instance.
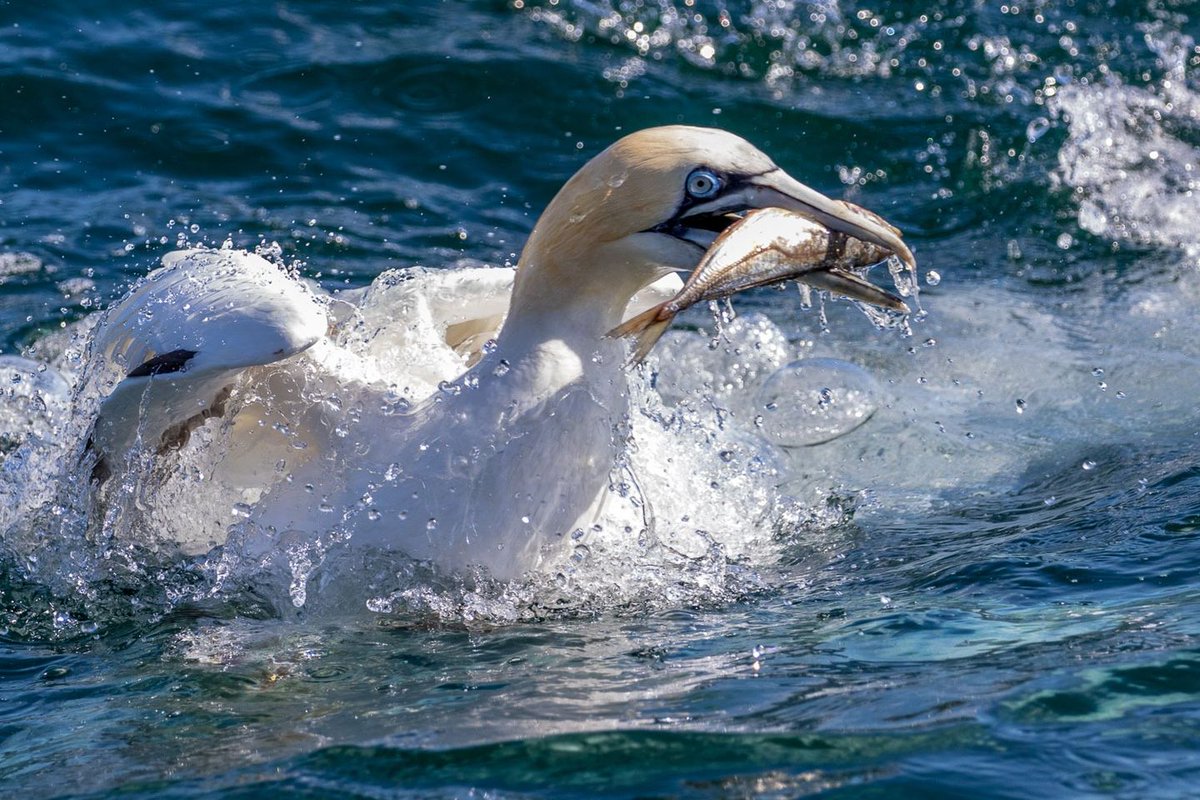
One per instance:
(163, 364)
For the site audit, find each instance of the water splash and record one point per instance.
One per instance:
(1132, 154)
(691, 515)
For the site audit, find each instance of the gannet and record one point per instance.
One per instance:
(503, 461)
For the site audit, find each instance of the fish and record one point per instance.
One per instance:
(768, 246)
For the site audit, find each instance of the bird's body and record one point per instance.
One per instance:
(336, 430)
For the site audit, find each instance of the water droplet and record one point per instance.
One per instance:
(1036, 129)
(933, 278)
(432, 524)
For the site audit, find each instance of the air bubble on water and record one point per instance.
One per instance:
(932, 278)
(816, 400)
(1020, 406)
(1088, 465)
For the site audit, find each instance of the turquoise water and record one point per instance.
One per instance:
(994, 590)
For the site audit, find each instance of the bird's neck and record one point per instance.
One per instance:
(575, 302)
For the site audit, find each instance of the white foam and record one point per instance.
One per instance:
(1131, 156)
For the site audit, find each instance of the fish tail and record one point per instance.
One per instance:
(646, 328)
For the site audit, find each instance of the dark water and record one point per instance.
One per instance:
(1011, 611)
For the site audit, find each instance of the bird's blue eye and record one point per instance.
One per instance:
(703, 184)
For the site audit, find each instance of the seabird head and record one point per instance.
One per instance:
(652, 203)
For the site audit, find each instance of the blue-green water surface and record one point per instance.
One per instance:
(1010, 609)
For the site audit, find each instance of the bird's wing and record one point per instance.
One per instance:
(174, 344)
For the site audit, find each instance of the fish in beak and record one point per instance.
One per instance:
(768, 246)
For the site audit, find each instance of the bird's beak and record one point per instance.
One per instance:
(777, 189)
